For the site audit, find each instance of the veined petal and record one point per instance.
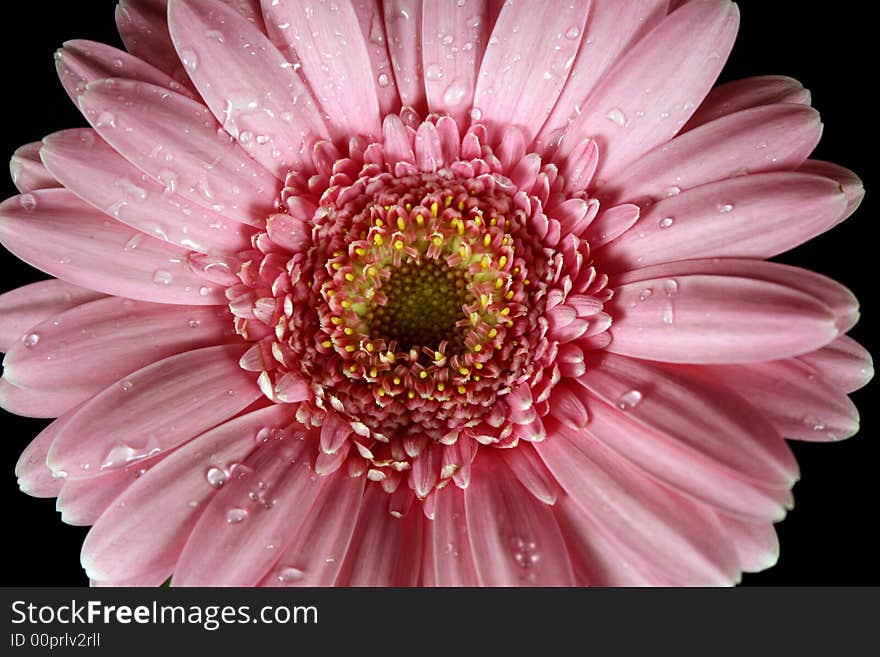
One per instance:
(170, 498)
(207, 167)
(97, 343)
(27, 170)
(403, 25)
(454, 36)
(526, 64)
(155, 409)
(766, 138)
(717, 319)
(92, 170)
(627, 122)
(756, 216)
(843, 363)
(746, 93)
(54, 231)
(27, 306)
(453, 559)
(39, 403)
(335, 62)
(247, 83)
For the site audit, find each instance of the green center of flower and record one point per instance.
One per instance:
(423, 306)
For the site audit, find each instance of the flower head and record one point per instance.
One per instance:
(418, 293)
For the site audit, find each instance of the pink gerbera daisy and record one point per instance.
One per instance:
(442, 293)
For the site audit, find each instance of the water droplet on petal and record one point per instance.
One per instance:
(666, 222)
(668, 314)
(27, 201)
(673, 191)
(290, 574)
(126, 385)
(384, 80)
(162, 277)
(31, 340)
(617, 117)
(434, 72)
(216, 477)
(189, 59)
(134, 242)
(724, 208)
(572, 33)
(629, 400)
(670, 287)
(236, 515)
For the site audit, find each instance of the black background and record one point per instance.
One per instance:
(828, 539)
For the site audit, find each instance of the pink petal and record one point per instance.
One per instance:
(335, 62)
(384, 551)
(627, 122)
(34, 476)
(27, 170)
(56, 232)
(692, 415)
(756, 544)
(144, 31)
(318, 548)
(835, 296)
(247, 83)
(612, 28)
(611, 224)
(526, 64)
(515, 538)
(155, 409)
(159, 509)
(206, 167)
(755, 216)
(372, 24)
(27, 306)
(852, 186)
(82, 501)
(148, 580)
(80, 62)
(843, 363)
(453, 561)
(265, 504)
(96, 173)
(747, 93)
(95, 344)
(767, 138)
(717, 471)
(454, 36)
(527, 468)
(717, 319)
(38, 403)
(403, 21)
(682, 541)
(792, 398)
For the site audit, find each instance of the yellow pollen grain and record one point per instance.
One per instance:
(484, 300)
(420, 220)
(371, 271)
(460, 206)
(401, 224)
(408, 207)
(336, 320)
(346, 304)
(502, 261)
(493, 221)
(370, 347)
(398, 244)
(479, 366)
(493, 332)
(411, 394)
(381, 392)
(476, 378)
(434, 209)
(337, 266)
(485, 262)
(438, 241)
(438, 355)
(423, 374)
(505, 311)
(327, 344)
(374, 372)
(464, 371)
(478, 348)
(396, 380)
(440, 387)
(526, 281)
(349, 348)
(499, 283)
(505, 241)
(378, 239)
(462, 390)
(349, 277)
(361, 252)
(348, 330)
(487, 239)
(447, 201)
(353, 369)
(509, 295)
(379, 223)
(337, 254)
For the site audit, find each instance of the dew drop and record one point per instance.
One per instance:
(617, 117)
(673, 191)
(204, 291)
(134, 242)
(126, 385)
(193, 323)
(27, 201)
(31, 340)
(647, 292)
(384, 80)
(724, 208)
(670, 287)
(216, 477)
(434, 72)
(106, 119)
(236, 515)
(668, 314)
(629, 400)
(453, 94)
(162, 277)
(476, 114)
(572, 33)
(290, 574)
(666, 222)
(189, 59)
